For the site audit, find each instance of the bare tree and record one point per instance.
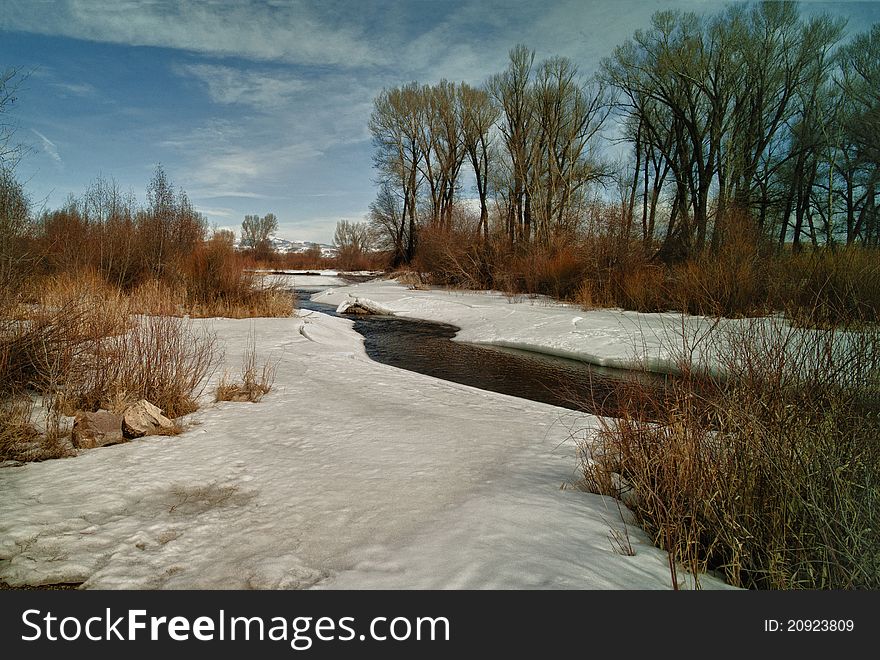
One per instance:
(10, 152)
(478, 115)
(14, 231)
(510, 90)
(353, 241)
(385, 216)
(14, 204)
(711, 95)
(567, 116)
(169, 229)
(257, 232)
(396, 125)
(859, 130)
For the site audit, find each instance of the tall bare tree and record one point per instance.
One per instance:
(511, 91)
(396, 125)
(478, 116)
(257, 232)
(567, 115)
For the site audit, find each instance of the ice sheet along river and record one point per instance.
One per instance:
(427, 348)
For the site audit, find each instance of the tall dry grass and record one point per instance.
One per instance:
(765, 464)
(160, 358)
(218, 284)
(74, 343)
(22, 440)
(255, 381)
(827, 287)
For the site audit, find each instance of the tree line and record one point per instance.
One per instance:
(755, 112)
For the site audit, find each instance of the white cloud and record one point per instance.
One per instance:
(226, 160)
(221, 212)
(257, 89)
(48, 146)
(289, 125)
(288, 31)
(316, 228)
(76, 89)
(204, 193)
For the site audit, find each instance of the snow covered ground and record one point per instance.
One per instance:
(308, 280)
(606, 337)
(348, 474)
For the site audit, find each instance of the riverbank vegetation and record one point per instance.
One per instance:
(763, 463)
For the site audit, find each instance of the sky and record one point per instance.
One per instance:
(259, 107)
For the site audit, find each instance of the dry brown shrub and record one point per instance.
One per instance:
(453, 258)
(161, 359)
(763, 465)
(255, 382)
(828, 286)
(156, 297)
(21, 440)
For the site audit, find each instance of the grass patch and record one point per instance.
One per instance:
(79, 348)
(21, 440)
(255, 381)
(161, 359)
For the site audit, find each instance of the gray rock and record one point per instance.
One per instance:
(143, 418)
(96, 429)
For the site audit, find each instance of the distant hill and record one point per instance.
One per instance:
(283, 246)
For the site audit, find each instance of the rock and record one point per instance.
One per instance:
(362, 306)
(352, 307)
(96, 429)
(143, 418)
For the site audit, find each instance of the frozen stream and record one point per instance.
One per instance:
(427, 348)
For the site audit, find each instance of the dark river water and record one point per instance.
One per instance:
(427, 348)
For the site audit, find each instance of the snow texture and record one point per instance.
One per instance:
(348, 474)
(606, 337)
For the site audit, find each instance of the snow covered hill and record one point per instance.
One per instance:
(284, 246)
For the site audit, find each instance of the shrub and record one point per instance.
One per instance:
(254, 383)
(453, 258)
(36, 345)
(556, 271)
(827, 287)
(90, 354)
(21, 440)
(160, 359)
(766, 466)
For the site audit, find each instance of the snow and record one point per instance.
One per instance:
(606, 337)
(307, 280)
(352, 306)
(348, 474)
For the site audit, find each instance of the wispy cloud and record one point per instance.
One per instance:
(289, 31)
(233, 167)
(204, 193)
(48, 146)
(76, 89)
(218, 212)
(258, 89)
(316, 228)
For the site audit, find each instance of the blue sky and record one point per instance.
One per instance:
(257, 107)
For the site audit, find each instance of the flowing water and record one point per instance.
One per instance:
(427, 348)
